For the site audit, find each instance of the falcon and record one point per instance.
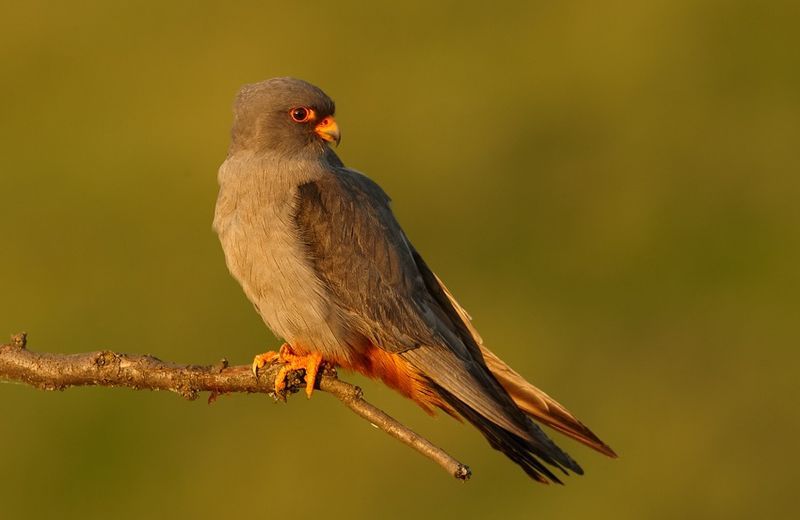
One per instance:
(318, 252)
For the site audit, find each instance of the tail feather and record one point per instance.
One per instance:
(522, 452)
(471, 390)
(541, 406)
(530, 399)
(514, 399)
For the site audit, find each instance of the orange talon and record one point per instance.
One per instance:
(291, 361)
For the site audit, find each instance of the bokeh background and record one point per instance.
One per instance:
(610, 188)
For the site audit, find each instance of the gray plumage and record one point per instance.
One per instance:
(318, 251)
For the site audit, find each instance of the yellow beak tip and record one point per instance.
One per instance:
(328, 130)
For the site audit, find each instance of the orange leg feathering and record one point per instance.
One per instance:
(397, 373)
(291, 361)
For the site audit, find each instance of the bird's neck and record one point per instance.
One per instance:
(244, 169)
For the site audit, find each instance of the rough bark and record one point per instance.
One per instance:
(144, 372)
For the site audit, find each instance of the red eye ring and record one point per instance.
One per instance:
(301, 114)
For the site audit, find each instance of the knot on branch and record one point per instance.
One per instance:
(104, 358)
(19, 340)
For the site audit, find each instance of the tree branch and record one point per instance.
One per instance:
(145, 372)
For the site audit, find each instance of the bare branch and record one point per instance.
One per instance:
(145, 372)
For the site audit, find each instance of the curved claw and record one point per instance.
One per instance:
(262, 360)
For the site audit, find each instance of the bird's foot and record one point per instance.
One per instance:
(291, 361)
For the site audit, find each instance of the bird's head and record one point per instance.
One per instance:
(285, 115)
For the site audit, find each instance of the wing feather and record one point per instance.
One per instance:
(383, 290)
(360, 253)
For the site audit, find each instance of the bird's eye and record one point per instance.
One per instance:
(301, 114)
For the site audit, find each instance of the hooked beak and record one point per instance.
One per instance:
(328, 130)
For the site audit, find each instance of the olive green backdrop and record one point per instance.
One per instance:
(610, 188)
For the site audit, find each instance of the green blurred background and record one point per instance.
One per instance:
(610, 188)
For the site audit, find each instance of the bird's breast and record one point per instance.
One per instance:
(254, 219)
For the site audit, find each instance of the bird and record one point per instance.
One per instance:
(320, 254)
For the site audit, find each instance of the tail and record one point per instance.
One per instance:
(534, 402)
(541, 406)
(524, 452)
(492, 396)
(468, 388)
